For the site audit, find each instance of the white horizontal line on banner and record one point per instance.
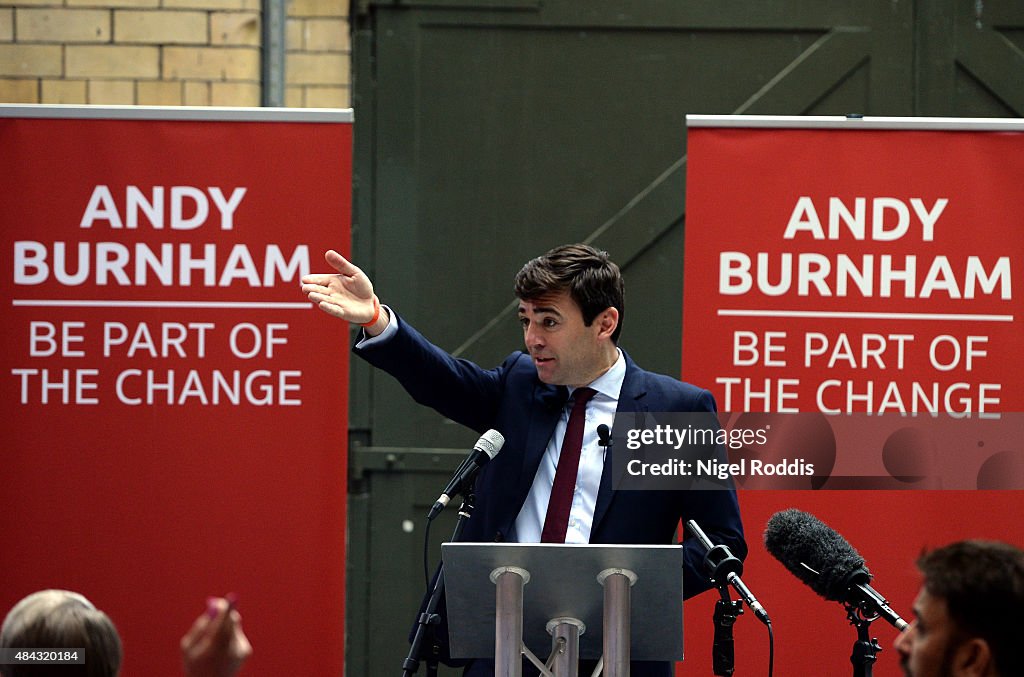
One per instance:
(865, 315)
(76, 303)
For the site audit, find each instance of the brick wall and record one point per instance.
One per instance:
(168, 52)
(317, 54)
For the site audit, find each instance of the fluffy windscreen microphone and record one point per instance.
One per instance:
(821, 558)
(813, 552)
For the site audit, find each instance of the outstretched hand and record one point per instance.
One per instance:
(215, 645)
(347, 294)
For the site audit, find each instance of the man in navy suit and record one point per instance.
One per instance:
(570, 309)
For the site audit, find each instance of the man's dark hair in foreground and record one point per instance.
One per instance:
(969, 620)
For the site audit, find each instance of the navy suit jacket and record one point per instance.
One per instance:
(511, 399)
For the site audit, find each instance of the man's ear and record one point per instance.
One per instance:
(973, 658)
(607, 321)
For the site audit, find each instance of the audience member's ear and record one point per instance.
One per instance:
(973, 658)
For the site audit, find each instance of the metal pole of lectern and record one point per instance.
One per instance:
(565, 645)
(508, 630)
(617, 583)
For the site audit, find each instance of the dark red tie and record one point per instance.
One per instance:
(557, 519)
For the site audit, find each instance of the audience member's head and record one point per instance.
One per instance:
(52, 619)
(215, 645)
(968, 613)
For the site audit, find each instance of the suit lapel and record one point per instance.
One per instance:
(631, 399)
(549, 401)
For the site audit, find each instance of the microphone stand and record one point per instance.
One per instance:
(429, 619)
(866, 648)
(726, 612)
(721, 564)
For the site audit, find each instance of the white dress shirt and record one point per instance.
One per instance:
(600, 409)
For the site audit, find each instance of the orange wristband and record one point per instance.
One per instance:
(376, 314)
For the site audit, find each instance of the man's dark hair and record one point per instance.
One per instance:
(983, 585)
(591, 278)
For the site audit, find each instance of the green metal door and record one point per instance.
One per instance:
(490, 131)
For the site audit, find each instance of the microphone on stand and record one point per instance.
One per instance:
(723, 567)
(486, 448)
(823, 559)
(724, 570)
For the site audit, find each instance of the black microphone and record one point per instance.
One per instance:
(486, 448)
(822, 559)
(604, 436)
(722, 564)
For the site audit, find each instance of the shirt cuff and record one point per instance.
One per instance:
(384, 336)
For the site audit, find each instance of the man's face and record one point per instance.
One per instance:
(928, 647)
(564, 350)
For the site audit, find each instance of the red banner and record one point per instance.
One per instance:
(873, 276)
(176, 415)
(866, 267)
